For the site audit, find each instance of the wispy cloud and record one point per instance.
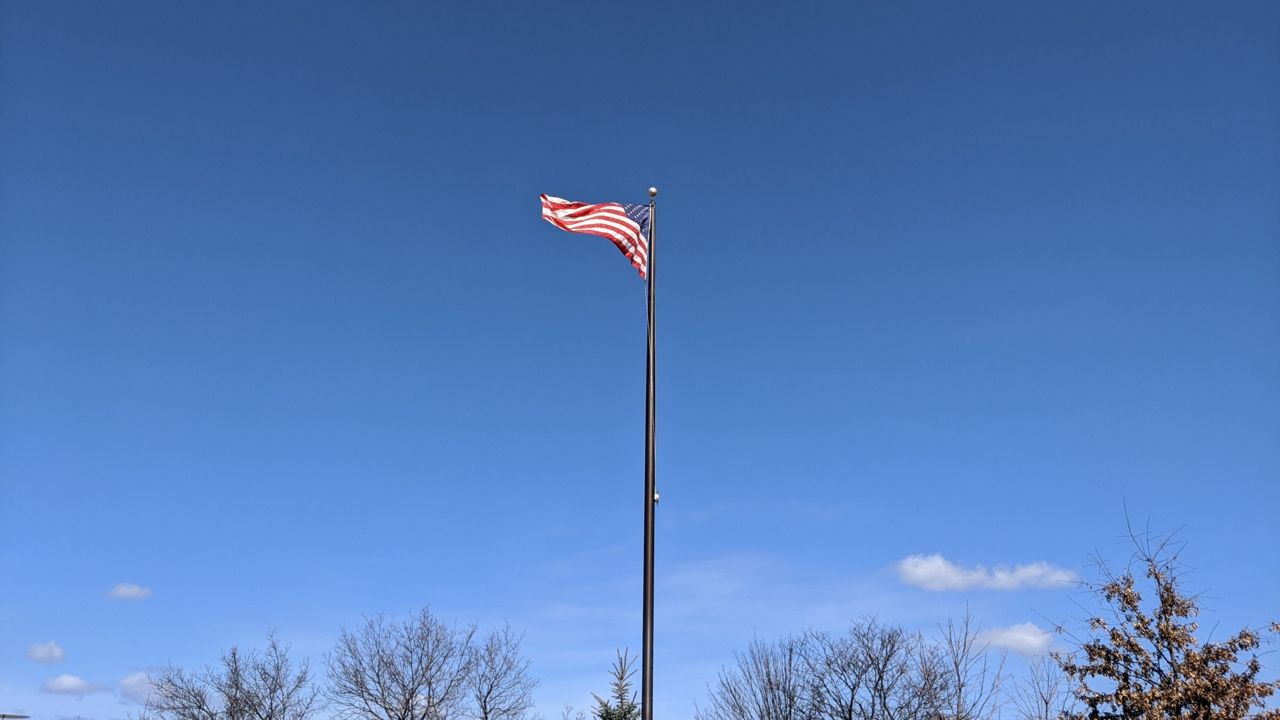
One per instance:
(934, 572)
(46, 652)
(72, 685)
(129, 591)
(136, 688)
(1024, 638)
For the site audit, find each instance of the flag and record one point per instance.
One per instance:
(626, 225)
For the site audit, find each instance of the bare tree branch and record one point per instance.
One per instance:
(244, 686)
(415, 670)
(501, 688)
(973, 685)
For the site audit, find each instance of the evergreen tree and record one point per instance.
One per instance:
(621, 704)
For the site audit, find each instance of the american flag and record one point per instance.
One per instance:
(626, 225)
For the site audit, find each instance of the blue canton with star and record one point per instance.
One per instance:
(639, 213)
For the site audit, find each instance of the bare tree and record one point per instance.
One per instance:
(769, 682)
(501, 688)
(1143, 659)
(839, 676)
(904, 674)
(416, 670)
(972, 683)
(1042, 694)
(244, 686)
(873, 671)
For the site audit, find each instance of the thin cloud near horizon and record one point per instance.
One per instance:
(129, 591)
(136, 688)
(934, 572)
(72, 685)
(1024, 638)
(46, 652)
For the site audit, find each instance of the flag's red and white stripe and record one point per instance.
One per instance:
(608, 220)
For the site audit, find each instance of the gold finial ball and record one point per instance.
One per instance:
(653, 192)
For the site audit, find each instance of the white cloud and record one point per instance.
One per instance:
(129, 591)
(46, 652)
(136, 688)
(70, 685)
(934, 572)
(1025, 638)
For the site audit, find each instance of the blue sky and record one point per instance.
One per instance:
(283, 340)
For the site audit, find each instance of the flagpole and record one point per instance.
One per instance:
(650, 483)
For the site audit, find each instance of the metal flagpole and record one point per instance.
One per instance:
(650, 484)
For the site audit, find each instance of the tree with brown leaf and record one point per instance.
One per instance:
(1142, 658)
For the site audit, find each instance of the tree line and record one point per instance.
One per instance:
(872, 671)
(1139, 656)
(417, 669)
